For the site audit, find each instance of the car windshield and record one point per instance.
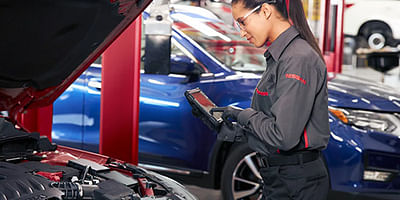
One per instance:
(224, 43)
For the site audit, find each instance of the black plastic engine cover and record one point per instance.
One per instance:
(112, 190)
(16, 183)
(15, 143)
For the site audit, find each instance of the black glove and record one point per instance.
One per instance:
(233, 133)
(229, 113)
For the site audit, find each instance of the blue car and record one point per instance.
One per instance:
(363, 155)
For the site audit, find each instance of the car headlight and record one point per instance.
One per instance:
(367, 120)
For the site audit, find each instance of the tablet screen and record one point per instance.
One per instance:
(205, 103)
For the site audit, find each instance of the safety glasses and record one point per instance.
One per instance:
(240, 21)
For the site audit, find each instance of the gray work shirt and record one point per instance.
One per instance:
(289, 108)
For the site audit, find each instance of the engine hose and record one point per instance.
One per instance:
(70, 190)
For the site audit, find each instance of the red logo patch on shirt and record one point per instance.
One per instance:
(297, 77)
(261, 93)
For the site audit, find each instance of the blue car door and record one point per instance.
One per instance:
(68, 115)
(91, 111)
(168, 133)
(76, 113)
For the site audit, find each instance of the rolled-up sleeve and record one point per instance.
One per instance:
(296, 87)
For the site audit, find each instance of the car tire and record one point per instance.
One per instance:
(377, 35)
(240, 176)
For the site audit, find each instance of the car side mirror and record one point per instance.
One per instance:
(181, 64)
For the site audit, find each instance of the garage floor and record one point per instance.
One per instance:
(209, 194)
(204, 194)
(391, 78)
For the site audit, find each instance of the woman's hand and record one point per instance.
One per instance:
(229, 113)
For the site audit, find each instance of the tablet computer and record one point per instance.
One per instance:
(201, 102)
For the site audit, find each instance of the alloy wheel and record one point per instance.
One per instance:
(246, 179)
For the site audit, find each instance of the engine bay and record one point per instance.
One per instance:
(31, 167)
(80, 179)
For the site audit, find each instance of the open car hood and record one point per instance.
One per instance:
(47, 44)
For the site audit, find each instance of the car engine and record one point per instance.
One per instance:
(24, 174)
(79, 180)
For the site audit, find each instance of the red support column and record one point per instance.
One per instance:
(38, 120)
(339, 36)
(119, 116)
(333, 57)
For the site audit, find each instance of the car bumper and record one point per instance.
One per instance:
(333, 195)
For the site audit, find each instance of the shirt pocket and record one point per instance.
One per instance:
(267, 86)
(262, 98)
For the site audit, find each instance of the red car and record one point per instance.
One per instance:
(45, 45)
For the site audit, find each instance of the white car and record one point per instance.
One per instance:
(375, 23)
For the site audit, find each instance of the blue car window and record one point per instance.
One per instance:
(177, 50)
(223, 43)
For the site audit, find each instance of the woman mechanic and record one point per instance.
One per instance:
(288, 120)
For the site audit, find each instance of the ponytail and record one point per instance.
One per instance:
(294, 13)
(297, 16)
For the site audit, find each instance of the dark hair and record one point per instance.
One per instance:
(296, 15)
